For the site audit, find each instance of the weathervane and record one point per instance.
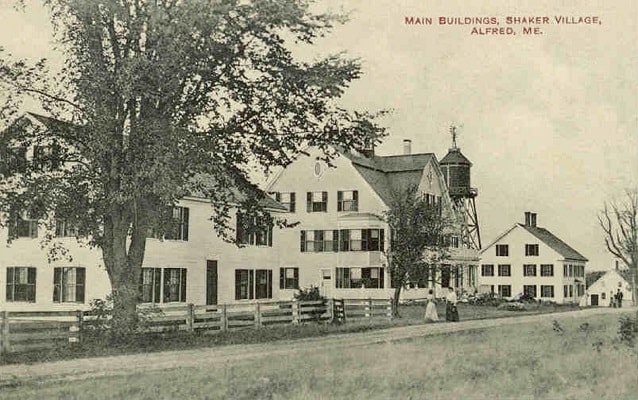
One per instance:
(454, 134)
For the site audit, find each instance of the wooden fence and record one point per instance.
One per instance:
(23, 331)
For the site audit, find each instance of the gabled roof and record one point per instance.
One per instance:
(554, 242)
(389, 174)
(595, 276)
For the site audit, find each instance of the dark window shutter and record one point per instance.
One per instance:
(13, 224)
(296, 285)
(157, 284)
(292, 202)
(324, 199)
(335, 240)
(270, 235)
(355, 199)
(237, 284)
(277, 196)
(31, 279)
(381, 239)
(381, 277)
(240, 228)
(185, 217)
(80, 280)
(282, 273)
(10, 278)
(183, 285)
(303, 241)
(167, 287)
(251, 284)
(57, 275)
(309, 201)
(270, 284)
(339, 200)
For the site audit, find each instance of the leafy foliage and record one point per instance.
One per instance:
(417, 229)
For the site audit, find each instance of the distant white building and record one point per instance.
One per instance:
(604, 288)
(528, 259)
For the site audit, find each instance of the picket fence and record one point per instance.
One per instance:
(30, 330)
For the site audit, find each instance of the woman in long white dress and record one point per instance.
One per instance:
(430, 309)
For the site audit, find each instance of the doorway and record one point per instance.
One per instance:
(211, 282)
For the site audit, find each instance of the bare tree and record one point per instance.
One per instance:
(620, 225)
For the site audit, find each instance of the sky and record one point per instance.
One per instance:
(550, 121)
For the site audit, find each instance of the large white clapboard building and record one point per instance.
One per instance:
(338, 244)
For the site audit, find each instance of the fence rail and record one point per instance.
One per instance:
(29, 330)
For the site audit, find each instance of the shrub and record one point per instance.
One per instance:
(627, 330)
(486, 299)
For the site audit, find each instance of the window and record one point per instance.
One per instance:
(502, 250)
(288, 278)
(547, 269)
(504, 270)
(547, 291)
(244, 282)
(263, 284)
(21, 284)
(565, 291)
(565, 270)
(372, 239)
(13, 159)
(529, 290)
(581, 290)
(454, 242)
(603, 295)
(253, 284)
(174, 285)
(505, 290)
(287, 199)
(46, 158)
(23, 225)
(150, 284)
(65, 229)
(487, 270)
(531, 249)
(311, 241)
(178, 228)
(347, 200)
(371, 278)
(253, 231)
(571, 291)
(529, 270)
(317, 201)
(571, 270)
(69, 284)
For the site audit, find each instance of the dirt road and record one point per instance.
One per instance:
(78, 369)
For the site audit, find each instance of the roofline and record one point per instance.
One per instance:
(498, 238)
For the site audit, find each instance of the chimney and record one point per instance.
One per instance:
(407, 147)
(530, 218)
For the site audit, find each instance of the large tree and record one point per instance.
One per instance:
(418, 248)
(165, 98)
(619, 222)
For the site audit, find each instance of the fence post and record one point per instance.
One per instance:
(369, 308)
(257, 315)
(295, 312)
(330, 310)
(390, 309)
(4, 333)
(224, 321)
(190, 317)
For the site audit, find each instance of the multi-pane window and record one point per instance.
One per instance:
(487, 270)
(531, 249)
(253, 231)
(581, 290)
(347, 200)
(150, 285)
(317, 201)
(23, 225)
(504, 270)
(529, 290)
(21, 284)
(565, 270)
(342, 240)
(253, 284)
(547, 291)
(505, 290)
(178, 226)
(69, 284)
(287, 199)
(288, 278)
(529, 270)
(65, 229)
(565, 290)
(46, 158)
(174, 285)
(502, 250)
(13, 159)
(547, 269)
(355, 277)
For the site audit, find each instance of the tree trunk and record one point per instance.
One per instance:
(395, 301)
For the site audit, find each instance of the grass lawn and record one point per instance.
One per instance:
(522, 361)
(410, 315)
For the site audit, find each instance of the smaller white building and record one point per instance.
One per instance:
(530, 260)
(604, 288)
